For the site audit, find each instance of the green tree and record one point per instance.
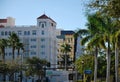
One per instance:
(92, 36)
(35, 66)
(65, 48)
(115, 39)
(3, 45)
(109, 7)
(85, 62)
(19, 46)
(13, 39)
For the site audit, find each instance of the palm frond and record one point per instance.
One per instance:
(85, 40)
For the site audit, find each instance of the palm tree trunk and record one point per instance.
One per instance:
(96, 62)
(18, 53)
(108, 63)
(13, 53)
(65, 62)
(116, 62)
(3, 55)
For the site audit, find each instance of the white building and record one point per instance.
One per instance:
(39, 41)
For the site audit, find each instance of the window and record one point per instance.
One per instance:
(34, 32)
(51, 24)
(19, 32)
(42, 32)
(28, 33)
(42, 46)
(10, 53)
(9, 32)
(2, 33)
(33, 39)
(33, 46)
(33, 53)
(42, 39)
(43, 53)
(5, 32)
(25, 32)
(42, 24)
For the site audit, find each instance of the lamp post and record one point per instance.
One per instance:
(82, 70)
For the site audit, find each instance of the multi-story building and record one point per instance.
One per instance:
(39, 40)
(65, 37)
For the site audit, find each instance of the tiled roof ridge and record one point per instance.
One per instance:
(44, 16)
(3, 20)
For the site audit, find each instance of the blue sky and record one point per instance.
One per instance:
(69, 14)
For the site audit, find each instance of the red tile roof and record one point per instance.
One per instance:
(3, 20)
(45, 17)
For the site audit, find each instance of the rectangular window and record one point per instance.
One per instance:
(19, 32)
(42, 39)
(33, 40)
(2, 33)
(42, 32)
(5, 32)
(25, 32)
(33, 46)
(28, 33)
(34, 32)
(33, 53)
(42, 53)
(42, 46)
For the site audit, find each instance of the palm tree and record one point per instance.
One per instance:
(66, 48)
(13, 39)
(19, 46)
(3, 44)
(108, 31)
(36, 67)
(115, 39)
(92, 36)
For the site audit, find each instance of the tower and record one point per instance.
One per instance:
(47, 34)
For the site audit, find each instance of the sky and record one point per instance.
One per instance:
(68, 14)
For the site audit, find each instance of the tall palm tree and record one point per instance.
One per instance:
(13, 39)
(92, 36)
(108, 30)
(19, 46)
(36, 67)
(66, 48)
(3, 44)
(115, 39)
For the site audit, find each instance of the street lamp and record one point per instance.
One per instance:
(82, 70)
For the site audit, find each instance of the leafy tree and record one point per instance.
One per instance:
(19, 46)
(92, 37)
(13, 39)
(109, 7)
(62, 61)
(85, 62)
(65, 48)
(35, 66)
(3, 44)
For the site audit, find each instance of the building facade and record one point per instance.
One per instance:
(65, 37)
(39, 40)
